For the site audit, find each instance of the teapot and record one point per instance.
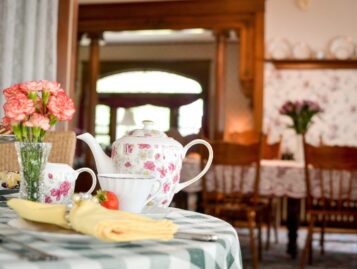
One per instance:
(148, 152)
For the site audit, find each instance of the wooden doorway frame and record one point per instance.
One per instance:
(246, 17)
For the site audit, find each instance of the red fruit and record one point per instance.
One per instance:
(108, 199)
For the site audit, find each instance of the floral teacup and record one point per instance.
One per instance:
(59, 182)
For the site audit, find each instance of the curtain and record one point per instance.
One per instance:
(28, 41)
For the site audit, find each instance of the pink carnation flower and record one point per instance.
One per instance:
(61, 106)
(6, 122)
(51, 86)
(31, 86)
(13, 92)
(38, 120)
(18, 108)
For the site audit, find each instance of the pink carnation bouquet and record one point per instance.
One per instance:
(32, 108)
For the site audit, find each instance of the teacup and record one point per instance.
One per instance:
(59, 182)
(132, 190)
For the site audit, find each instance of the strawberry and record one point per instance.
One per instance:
(108, 199)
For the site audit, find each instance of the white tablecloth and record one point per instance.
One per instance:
(278, 178)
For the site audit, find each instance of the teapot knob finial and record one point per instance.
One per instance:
(148, 124)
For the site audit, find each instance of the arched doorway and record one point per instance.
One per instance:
(127, 98)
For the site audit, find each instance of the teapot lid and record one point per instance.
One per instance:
(147, 131)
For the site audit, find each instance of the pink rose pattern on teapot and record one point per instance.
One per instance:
(161, 162)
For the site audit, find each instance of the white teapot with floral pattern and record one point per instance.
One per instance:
(148, 152)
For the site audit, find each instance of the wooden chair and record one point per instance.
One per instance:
(225, 198)
(330, 173)
(63, 149)
(63, 146)
(268, 152)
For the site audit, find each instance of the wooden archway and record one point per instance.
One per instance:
(246, 17)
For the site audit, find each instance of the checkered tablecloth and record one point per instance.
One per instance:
(177, 253)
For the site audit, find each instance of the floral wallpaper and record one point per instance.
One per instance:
(334, 90)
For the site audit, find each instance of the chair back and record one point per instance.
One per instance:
(63, 150)
(269, 151)
(227, 178)
(331, 177)
(63, 146)
(8, 159)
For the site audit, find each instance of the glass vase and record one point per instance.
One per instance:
(32, 158)
(299, 150)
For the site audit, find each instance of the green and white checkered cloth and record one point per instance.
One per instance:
(177, 253)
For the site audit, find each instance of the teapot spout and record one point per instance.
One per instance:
(103, 163)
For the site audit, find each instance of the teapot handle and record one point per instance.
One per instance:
(185, 184)
(94, 177)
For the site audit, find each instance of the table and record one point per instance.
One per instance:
(177, 253)
(278, 178)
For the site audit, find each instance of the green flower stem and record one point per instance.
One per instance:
(32, 160)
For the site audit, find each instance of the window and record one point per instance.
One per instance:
(160, 116)
(190, 118)
(148, 82)
(102, 118)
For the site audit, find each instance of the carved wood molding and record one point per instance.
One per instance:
(169, 15)
(244, 16)
(138, 99)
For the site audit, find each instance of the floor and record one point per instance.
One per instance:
(340, 251)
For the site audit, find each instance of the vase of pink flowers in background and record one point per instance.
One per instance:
(31, 109)
(301, 114)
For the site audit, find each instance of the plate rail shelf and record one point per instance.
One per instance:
(313, 64)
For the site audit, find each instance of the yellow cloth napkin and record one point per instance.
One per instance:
(91, 218)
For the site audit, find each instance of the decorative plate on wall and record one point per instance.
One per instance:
(301, 51)
(278, 49)
(341, 47)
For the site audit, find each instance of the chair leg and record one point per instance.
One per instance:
(276, 221)
(311, 250)
(251, 219)
(259, 226)
(269, 220)
(308, 243)
(322, 236)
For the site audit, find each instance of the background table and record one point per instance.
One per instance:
(177, 253)
(278, 178)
